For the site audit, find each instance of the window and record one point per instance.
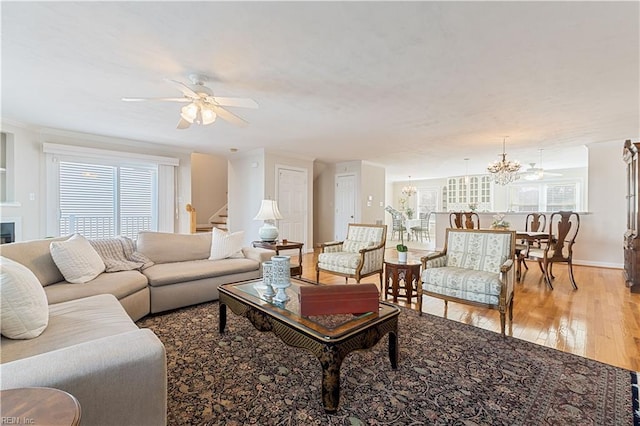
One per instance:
(7, 170)
(100, 201)
(546, 196)
(101, 194)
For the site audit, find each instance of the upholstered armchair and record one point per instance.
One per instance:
(360, 255)
(475, 268)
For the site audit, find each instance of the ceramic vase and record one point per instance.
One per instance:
(265, 287)
(281, 277)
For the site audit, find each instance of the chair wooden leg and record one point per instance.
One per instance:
(511, 311)
(317, 276)
(547, 278)
(573, 281)
(551, 271)
(525, 264)
(518, 270)
(502, 323)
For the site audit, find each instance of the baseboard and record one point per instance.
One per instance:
(598, 264)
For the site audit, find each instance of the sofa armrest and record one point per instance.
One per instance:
(118, 380)
(258, 254)
(431, 256)
(508, 264)
(331, 247)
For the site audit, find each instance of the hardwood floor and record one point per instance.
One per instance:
(601, 320)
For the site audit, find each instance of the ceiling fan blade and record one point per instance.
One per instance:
(186, 90)
(234, 102)
(156, 99)
(228, 116)
(183, 124)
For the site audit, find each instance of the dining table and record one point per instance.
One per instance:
(411, 223)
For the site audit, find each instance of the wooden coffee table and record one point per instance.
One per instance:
(329, 343)
(39, 406)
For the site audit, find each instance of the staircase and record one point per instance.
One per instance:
(219, 219)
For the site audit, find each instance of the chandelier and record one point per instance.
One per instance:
(504, 171)
(409, 190)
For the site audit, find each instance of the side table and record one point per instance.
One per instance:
(39, 406)
(406, 272)
(278, 246)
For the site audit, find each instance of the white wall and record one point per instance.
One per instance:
(246, 191)
(30, 172)
(208, 185)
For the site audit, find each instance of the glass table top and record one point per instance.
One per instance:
(325, 326)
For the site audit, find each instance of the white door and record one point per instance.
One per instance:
(292, 203)
(345, 204)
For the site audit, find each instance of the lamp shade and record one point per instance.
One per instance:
(268, 211)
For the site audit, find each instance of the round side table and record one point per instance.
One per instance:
(39, 406)
(407, 273)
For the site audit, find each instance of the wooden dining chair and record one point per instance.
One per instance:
(464, 220)
(534, 222)
(563, 230)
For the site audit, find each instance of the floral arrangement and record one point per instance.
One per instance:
(473, 207)
(499, 222)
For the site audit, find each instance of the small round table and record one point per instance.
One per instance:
(396, 272)
(39, 406)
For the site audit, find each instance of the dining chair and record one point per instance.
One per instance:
(464, 220)
(534, 222)
(397, 223)
(423, 229)
(558, 247)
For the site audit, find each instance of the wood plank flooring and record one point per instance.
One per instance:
(600, 321)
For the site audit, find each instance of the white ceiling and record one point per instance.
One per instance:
(414, 86)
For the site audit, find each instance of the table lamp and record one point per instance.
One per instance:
(269, 213)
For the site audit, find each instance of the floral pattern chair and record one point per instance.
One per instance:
(475, 267)
(360, 255)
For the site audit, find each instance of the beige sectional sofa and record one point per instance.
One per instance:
(92, 348)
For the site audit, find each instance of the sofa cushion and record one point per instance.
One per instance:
(70, 323)
(78, 261)
(36, 256)
(120, 284)
(24, 312)
(462, 280)
(176, 272)
(164, 247)
(224, 245)
(343, 262)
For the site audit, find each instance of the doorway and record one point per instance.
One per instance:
(345, 204)
(292, 196)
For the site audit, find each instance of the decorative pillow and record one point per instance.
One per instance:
(77, 260)
(24, 310)
(225, 245)
(352, 246)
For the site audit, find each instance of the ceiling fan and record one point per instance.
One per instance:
(202, 107)
(537, 173)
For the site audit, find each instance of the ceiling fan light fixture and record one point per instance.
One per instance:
(189, 112)
(208, 115)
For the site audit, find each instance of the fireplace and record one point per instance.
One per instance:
(7, 232)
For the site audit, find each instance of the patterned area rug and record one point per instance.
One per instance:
(448, 373)
(635, 395)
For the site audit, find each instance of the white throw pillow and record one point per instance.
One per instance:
(225, 245)
(24, 308)
(78, 261)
